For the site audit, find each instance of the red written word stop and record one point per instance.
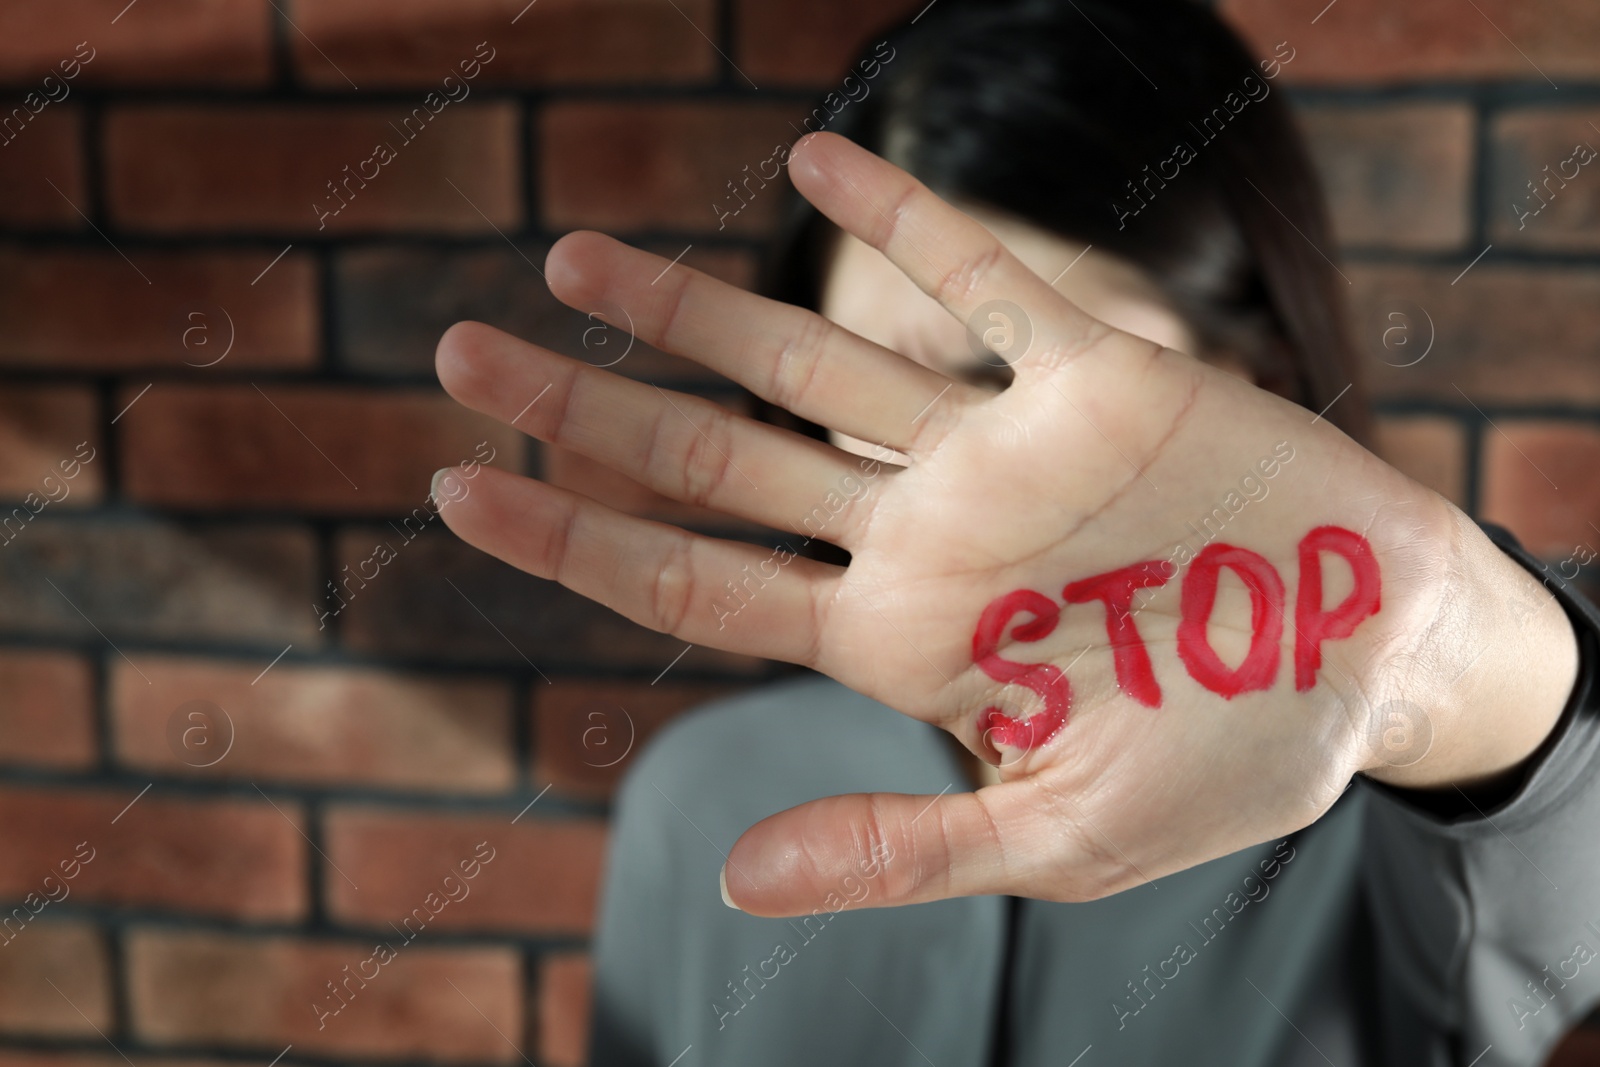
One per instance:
(1314, 624)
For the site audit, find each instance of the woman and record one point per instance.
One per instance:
(1166, 607)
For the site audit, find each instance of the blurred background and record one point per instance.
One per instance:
(218, 310)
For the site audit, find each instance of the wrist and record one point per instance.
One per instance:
(1502, 660)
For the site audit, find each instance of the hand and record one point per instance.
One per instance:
(1020, 580)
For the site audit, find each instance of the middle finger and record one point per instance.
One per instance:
(786, 355)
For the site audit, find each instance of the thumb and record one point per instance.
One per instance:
(869, 850)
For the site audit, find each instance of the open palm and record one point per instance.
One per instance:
(1165, 602)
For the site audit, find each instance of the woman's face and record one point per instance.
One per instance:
(863, 292)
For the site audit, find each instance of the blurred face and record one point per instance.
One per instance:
(863, 292)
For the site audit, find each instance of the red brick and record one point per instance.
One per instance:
(1429, 449)
(20, 1057)
(309, 448)
(41, 428)
(175, 42)
(1374, 41)
(88, 309)
(1536, 146)
(251, 993)
(23, 1057)
(1579, 1048)
(564, 1006)
(237, 858)
(642, 166)
(587, 733)
(38, 952)
(142, 580)
(489, 612)
(1398, 176)
(812, 44)
(263, 169)
(543, 875)
(1543, 322)
(321, 725)
(396, 302)
(1541, 480)
(48, 149)
(392, 43)
(47, 711)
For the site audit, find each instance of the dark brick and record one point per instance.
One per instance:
(396, 302)
(1537, 146)
(41, 429)
(48, 149)
(249, 993)
(87, 308)
(1501, 334)
(22, 1057)
(307, 448)
(587, 732)
(337, 726)
(1376, 42)
(1579, 1048)
(391, 43)
(46, 710)
(176, 168)
(1398, 176)
(149, 580)
(70, 955)
(644, 166)
(414, 612)
(176, 42)
(788, 42)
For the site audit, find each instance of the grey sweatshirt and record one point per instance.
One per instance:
(1398, 929)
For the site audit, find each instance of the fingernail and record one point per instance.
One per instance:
(722, 878)
(433, 486)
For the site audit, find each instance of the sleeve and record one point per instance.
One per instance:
(634, 948)
(1487, 918)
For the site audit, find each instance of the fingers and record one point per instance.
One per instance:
(724, 594)
(948, 255)
(885, 849)
(791, 357)
(683, 446)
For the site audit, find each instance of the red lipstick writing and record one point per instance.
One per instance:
(1115, 590)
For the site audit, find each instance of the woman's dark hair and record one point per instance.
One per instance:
(1069, 116)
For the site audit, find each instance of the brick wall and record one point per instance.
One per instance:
(239, 383)
(1430, 120)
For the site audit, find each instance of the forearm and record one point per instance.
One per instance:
(1486, 905)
